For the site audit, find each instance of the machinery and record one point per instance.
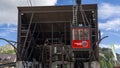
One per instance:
(57, 36)
(81, 36)
(80, 30)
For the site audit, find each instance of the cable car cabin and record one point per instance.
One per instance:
(80, 37)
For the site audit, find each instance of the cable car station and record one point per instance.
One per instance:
(58, 36)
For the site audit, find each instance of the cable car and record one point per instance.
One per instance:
(80, 37)
(80, 30)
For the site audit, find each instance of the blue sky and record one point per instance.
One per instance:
(108, 18)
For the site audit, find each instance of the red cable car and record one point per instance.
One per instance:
(80, 37)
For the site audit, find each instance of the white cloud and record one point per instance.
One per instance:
(110, 14)
(113, 24)
(109, 21)
(115, 34)
(3, 34)
(117, 46)
(37, 2)
(9, 13)
(104, 46)
(108, 10)
(102, 33)
(7, 31)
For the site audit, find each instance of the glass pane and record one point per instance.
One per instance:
(80, 34)
(86, 34)
(74, 33)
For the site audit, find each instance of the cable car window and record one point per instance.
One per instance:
(75, 35)
(86, 34)
(80, 37)
(80, 34)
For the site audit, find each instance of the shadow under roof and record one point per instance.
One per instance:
(53, 14)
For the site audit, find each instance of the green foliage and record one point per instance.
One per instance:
(102, 63)
(7, 49)
(106, 62)
(8, 52)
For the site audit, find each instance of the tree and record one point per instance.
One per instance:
(7, 49)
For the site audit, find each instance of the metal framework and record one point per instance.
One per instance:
(9, 65)
(44, 34)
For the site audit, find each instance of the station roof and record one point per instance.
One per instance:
(53, 14)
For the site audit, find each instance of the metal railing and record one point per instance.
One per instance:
(8, 65)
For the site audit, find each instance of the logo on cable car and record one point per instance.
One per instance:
(81, 44)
